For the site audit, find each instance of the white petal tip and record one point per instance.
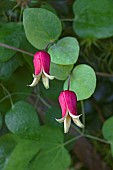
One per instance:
(74, 116)
(45, 81)
(81, 126)
(47, 87)
(67, 123)
(47, 75)
(60, 120)
(78, 122)
(51, 77)
(29, 85)
(35, 82)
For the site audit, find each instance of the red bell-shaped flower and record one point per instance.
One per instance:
(68, 103)
(42, 66)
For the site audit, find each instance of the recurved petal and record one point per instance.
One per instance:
(67, 123)
(35, 81)
(78, 122)
(62, 119)
(74, 116)
(48, 76)
(45, 81)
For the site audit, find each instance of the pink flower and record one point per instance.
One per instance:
(42, 66)
(68, 103)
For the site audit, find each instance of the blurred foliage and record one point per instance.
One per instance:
(24, 110)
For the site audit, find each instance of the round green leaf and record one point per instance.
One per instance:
(22, 119)
(60, 72)
(83, 81)
(65, 52)
(11, 34)
(107, 129)
(41, 26)
(93, 18)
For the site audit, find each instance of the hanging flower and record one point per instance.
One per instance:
(42, 66)
(68, 103)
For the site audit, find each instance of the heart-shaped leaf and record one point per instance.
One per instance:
(93, 18)
(41, 26)
(65, 51)
(83, 81)
(22, 119)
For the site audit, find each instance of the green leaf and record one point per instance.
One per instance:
(52, 155)
(22, 155)
(93, 18)
(11, 34)
(41, 26)
(107, 129)
(1, 121)
(45, 153)
(7, 144)
(65, 52)
(60, 72)
(7, 68)
(83, 81)
(22, 120)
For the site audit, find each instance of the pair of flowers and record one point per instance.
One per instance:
(67, 98)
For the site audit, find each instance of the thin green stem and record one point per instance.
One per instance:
(44, 102)
(104, 74)
(21, 12)
(71, 140)
(15, 49)
(69, 77)
(77, 129)
(83, 116)
(17, 93)
(47, 46)
(9, 95)
(21, 93)
(96, 138)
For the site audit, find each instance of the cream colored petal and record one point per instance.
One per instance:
(45, 81)
(74, 116)
(67, 123)
(78, 122)
(47, 75)
(35, 76)
(62, 119)
(35, 82)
